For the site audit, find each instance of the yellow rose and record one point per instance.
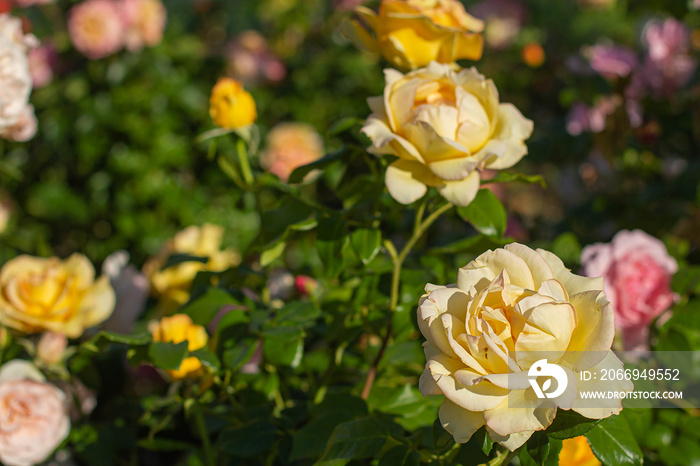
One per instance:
(508, 307)
(577, 452)
(39, 294)
(230, 106)
(412, 33)
(172, 284)
(444, 126)
(177, 329)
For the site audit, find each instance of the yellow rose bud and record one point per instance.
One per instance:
(444, 126)
(172, 284)
(577, 452)
(177, 329)
(230, 106)
(412, 33)
(39, 294)
(486, 333)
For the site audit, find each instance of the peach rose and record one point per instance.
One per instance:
(412, 33)
(144, 21)
(33, 417)
(96, 28)
(290, 145)
(38, 294)
(637, 270)
(444, 126)
(486, 332)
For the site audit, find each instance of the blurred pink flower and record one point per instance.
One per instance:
(290, 145)
(51, 347)
(347, 5)
(131, 288)
(26, 3)
(577, 121)
(24, 129)
(250, 60)
(613, 61)
(667, 66)
(585, 119)
(96, 28)
(504, 19)
(637, 270)
(305, 285)
(42, 61)
(144, 21)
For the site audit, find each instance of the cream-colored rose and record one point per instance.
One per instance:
(508, 308)
(33, 417)
(444, 126)
(15, 78)
(24, 129)
(38, 294)
(203, 245)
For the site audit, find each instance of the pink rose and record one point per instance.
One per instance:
(42, 61)
(250, 60)
(613, 61)
(33, 418)
(290, 145)
(668, 65)
(637, 270)
(96, 28)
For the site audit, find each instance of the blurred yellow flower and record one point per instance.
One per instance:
(200, 248)
(231, 106)
(577, 452)
(412, 33)
(176, 329)
(38, 294)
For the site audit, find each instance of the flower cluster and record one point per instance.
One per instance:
(99, 28)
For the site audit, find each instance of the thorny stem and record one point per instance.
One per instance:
(420, 227)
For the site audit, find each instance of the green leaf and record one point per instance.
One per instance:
(299, 173)
(400, 455)
(283, 345)
(532, 454)
(236, 356)
(486, 441)
(207, 358)
(249, 440)
(329, 243)
(134, 340)
(570, 424)
(366, 243)
(298, 313)
(355, 440)
(567, 248)
(175, 259)
(613, 443)
(510, 177)
(271, 254)
(343, 125)
(486, 213)
(166, 355)
(204, 308)
(310, 440)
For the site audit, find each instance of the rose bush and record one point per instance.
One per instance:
(508, 307)
(444, 126)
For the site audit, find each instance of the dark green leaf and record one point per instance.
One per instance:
(167, 355)
(569, 424)
(345, 124)
(298, 174)
(204, 308)
(310, 440)
(135, 340)
(401, 455)
(298, 313)
(541, 450)
(613, 443)
(486, 213)
(358, 439)
(283, 345)
(207, 358)
(175, 259)
(329, 243)
(249, 440)
(236, 356)
(366, 243)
